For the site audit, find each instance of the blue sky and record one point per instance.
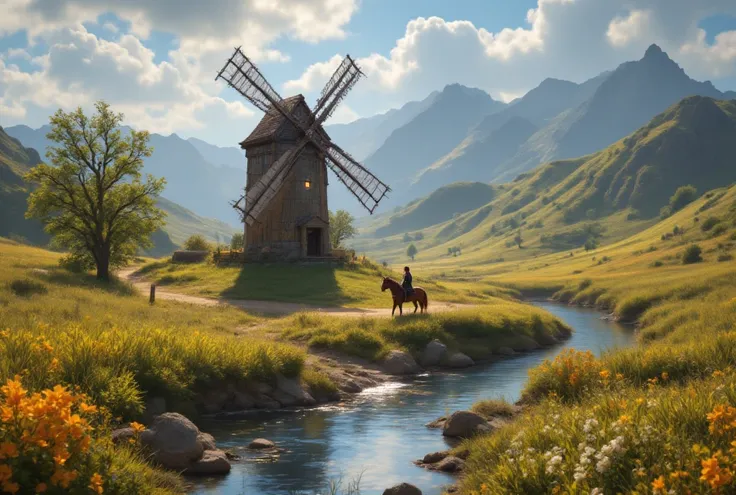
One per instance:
(156, 61)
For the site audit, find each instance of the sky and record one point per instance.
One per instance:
(156, 61)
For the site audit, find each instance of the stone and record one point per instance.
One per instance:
(400, 363)
(545, 339)
(506, 351)
(122, 435)
(173, 440)
(437, 423)
(207, 441)
(450, 464)
(214, 401)
(241, 400)
(212, 462)
(459, 360)
(266, 402)
(261, 443)
(349, 386)
(402, 489)
(524, 343)
(434, 457)
(464, 424)
(293, 388)
(433, 353)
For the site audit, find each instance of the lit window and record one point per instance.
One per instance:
(307, 184)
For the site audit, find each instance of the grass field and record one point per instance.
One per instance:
(352, 285)
(660, 418)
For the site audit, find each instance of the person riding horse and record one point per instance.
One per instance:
(406, 283)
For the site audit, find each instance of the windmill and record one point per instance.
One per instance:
(284, 207)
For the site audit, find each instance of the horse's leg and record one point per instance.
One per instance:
(393, 310)
(415, 305)
(401, 309)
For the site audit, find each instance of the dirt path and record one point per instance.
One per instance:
(274, 307)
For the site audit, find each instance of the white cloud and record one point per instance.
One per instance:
(315, 77)
(624, 29)
(109, 26)
(343, 115)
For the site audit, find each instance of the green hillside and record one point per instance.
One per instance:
(605, 196)
(182, 223)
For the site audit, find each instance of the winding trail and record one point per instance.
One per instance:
(275, 307)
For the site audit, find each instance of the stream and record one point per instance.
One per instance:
(378, 435)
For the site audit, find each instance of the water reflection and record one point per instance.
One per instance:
(380, 436)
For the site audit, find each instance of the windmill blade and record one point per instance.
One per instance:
(337, 88)
(258, 197)
(365, 186)
(242, 75)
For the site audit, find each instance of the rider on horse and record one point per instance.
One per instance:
(406, 283)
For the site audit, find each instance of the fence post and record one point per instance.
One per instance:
(152, 298)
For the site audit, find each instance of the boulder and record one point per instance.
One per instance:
(174, 441)
(434, 457)
(214, 401)
(402, 489)
(293, 388)
(459, 360)
(464, 424)
(261, 443)
(437, 423)
(400, 363)
(122, 435)
(212, 462)
(506, 351)
(349, 386)
(207, 441)
(450, 464)
(266, 402)
(241, 400)
(433, 353)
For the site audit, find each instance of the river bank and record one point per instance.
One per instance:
(381, 432)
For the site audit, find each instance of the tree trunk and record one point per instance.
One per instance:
(103, 263)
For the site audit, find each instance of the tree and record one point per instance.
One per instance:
(518, 240)
(92, 198)
(197, 242)
(406, 238)
(693, 254)
(683, 197)
(237, 241)
(591, 244)
(341, 227)
(411, 251)
(418, 236)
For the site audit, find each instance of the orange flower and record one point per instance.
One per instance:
(604, 374)
(665, 376)
(41, 487)
(95, 483)
(721, 419)
(137, 427)
(8, 449)
(658, 485)
(11, 487)
(713, 474)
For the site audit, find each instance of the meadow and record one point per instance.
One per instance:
(660, 418)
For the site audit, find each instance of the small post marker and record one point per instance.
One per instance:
(152, 299)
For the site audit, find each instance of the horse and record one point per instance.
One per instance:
(399, 296)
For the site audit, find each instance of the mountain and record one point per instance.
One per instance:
(191, 181)
(182, 223)
(627, 99)
(441, 205)
(229, 156)
(362, 137)
(16, 160)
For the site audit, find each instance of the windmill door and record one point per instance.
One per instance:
(314, 242)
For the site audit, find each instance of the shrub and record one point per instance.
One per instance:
(75, 263)
(725, 257)
(656, 264)
(197, 242)
(719, 229)
(683, 197)
(568, 376)
(709, 223)
(237, 241)
(493, 407)
(693, 254)
(27, 287)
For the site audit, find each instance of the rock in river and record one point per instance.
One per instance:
(400, 363)
(261, 443)
(450, 464)
(402, 489)
(464, 424)
(433, 353)
(459, 360)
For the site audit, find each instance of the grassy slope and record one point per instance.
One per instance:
(670, 401)
(692, 142)
(356, 285)
(182, 223)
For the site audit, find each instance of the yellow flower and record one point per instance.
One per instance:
(679, 475)
(658, 485)
(721, 419)
(619, 376)
(95, 483)
(605, 374)
(713, 474)
(717, 373)
(137, 427)
(665, 376)
(624, 419)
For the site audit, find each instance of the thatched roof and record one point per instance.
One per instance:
(272, 122)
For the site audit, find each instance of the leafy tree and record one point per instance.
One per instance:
(590, 244)
(693, 254)
(341, 227)
(237, 241)
(411, 251)
(197, 242)
(418, 236)
(91, 197)
(683, 197)
(406, 238)
(518, 240)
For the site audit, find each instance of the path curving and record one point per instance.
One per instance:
(274, 307)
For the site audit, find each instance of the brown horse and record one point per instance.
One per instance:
(399, 296)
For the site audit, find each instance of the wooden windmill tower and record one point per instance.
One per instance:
(284, 207)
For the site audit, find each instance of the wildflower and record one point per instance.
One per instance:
(8, 449)
(596, 491)
(658, 485)
(679, 475)
(604, 374)
(721, 419)
(619, 376)
(11, 487)
(41, 488)
(713, 474)
(624, 419)
(717, 373)
(137, 427)
(95, 483)
(665, 376)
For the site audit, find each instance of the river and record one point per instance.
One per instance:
(377, 436)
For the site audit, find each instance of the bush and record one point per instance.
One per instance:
(27, 287)
(682, 197)
(197, 242)
(237, 241)
(75, 263)
(719, 229)
(657, 264)
(709, 223)
(693, 254)
(725, 257)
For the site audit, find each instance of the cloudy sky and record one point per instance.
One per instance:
(156, 60)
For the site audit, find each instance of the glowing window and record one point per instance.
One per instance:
(307, 184)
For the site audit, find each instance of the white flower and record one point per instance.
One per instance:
(589, 425)
(553, 463)
(603, 464)
(596, 491)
